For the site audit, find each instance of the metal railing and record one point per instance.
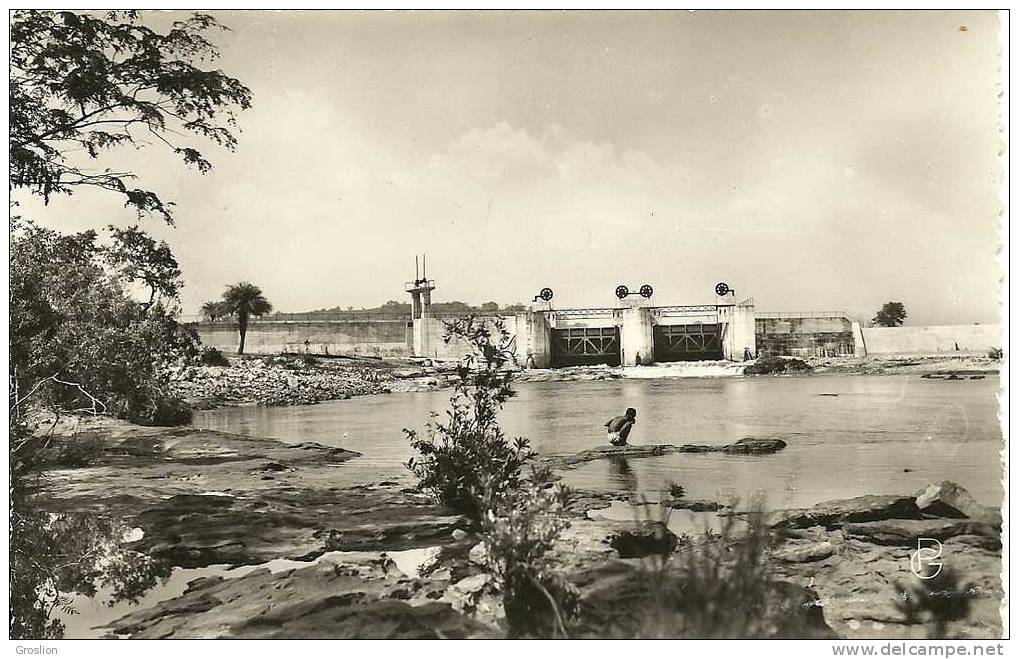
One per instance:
(419, 283)
(687, 309)
(583, 312)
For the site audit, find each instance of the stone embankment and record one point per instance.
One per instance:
(286, 380)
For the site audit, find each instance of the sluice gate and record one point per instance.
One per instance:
(688, 342)
(585, 346)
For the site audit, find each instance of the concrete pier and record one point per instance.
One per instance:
(533, 339)
(739, 331)
(636, 336)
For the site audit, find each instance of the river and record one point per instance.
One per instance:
(847, 435)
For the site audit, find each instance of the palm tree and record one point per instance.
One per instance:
(245, 300)
(214, 310)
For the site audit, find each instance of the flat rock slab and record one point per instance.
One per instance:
(197, 531)
(198, 446)
(807, 552)
(747, 445)
(906, 532)
(361, 596)
(204, 497)
(832, 514)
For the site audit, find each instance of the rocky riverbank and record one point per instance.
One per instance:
(299, 380)
(296, 380)
(962, 366)
(381, 561)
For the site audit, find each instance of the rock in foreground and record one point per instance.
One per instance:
(361, 596)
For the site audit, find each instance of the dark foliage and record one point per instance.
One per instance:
(519, 530)
(78, 450)
(54, 556)
(937, 601)
(84, 83)
(892, 314)
(212, 356)
(137, 257)
(720, 587)
(214, 310)
(79, 343)
(775, 364)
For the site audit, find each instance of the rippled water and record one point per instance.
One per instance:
(860, 441)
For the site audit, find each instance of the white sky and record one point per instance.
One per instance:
(811, 160)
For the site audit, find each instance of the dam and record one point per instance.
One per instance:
(635, 330)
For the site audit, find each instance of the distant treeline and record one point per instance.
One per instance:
(392, 307)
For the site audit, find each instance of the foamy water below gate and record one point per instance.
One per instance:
(860, 441)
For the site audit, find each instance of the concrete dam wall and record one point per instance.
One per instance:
(932, 339)
(816, 336)
(652, 338)
(380, 338)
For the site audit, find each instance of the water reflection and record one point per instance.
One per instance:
(623, 474)
(55, 557)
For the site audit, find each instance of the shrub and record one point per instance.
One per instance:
(519, 530)
(720, 586)
(938, 601)
(74, 451)
(995, 353)
(212, 356)
(166, 411)
(460, 459)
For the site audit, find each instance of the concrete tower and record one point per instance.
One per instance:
(420, 290)
(421, 302)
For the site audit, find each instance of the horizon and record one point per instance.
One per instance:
(832, 160)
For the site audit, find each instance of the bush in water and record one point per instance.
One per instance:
(460, 459)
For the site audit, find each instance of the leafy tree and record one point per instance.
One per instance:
(78, 340)
(245, 300)
(82, 83)
(138, 257)
(891, 315)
